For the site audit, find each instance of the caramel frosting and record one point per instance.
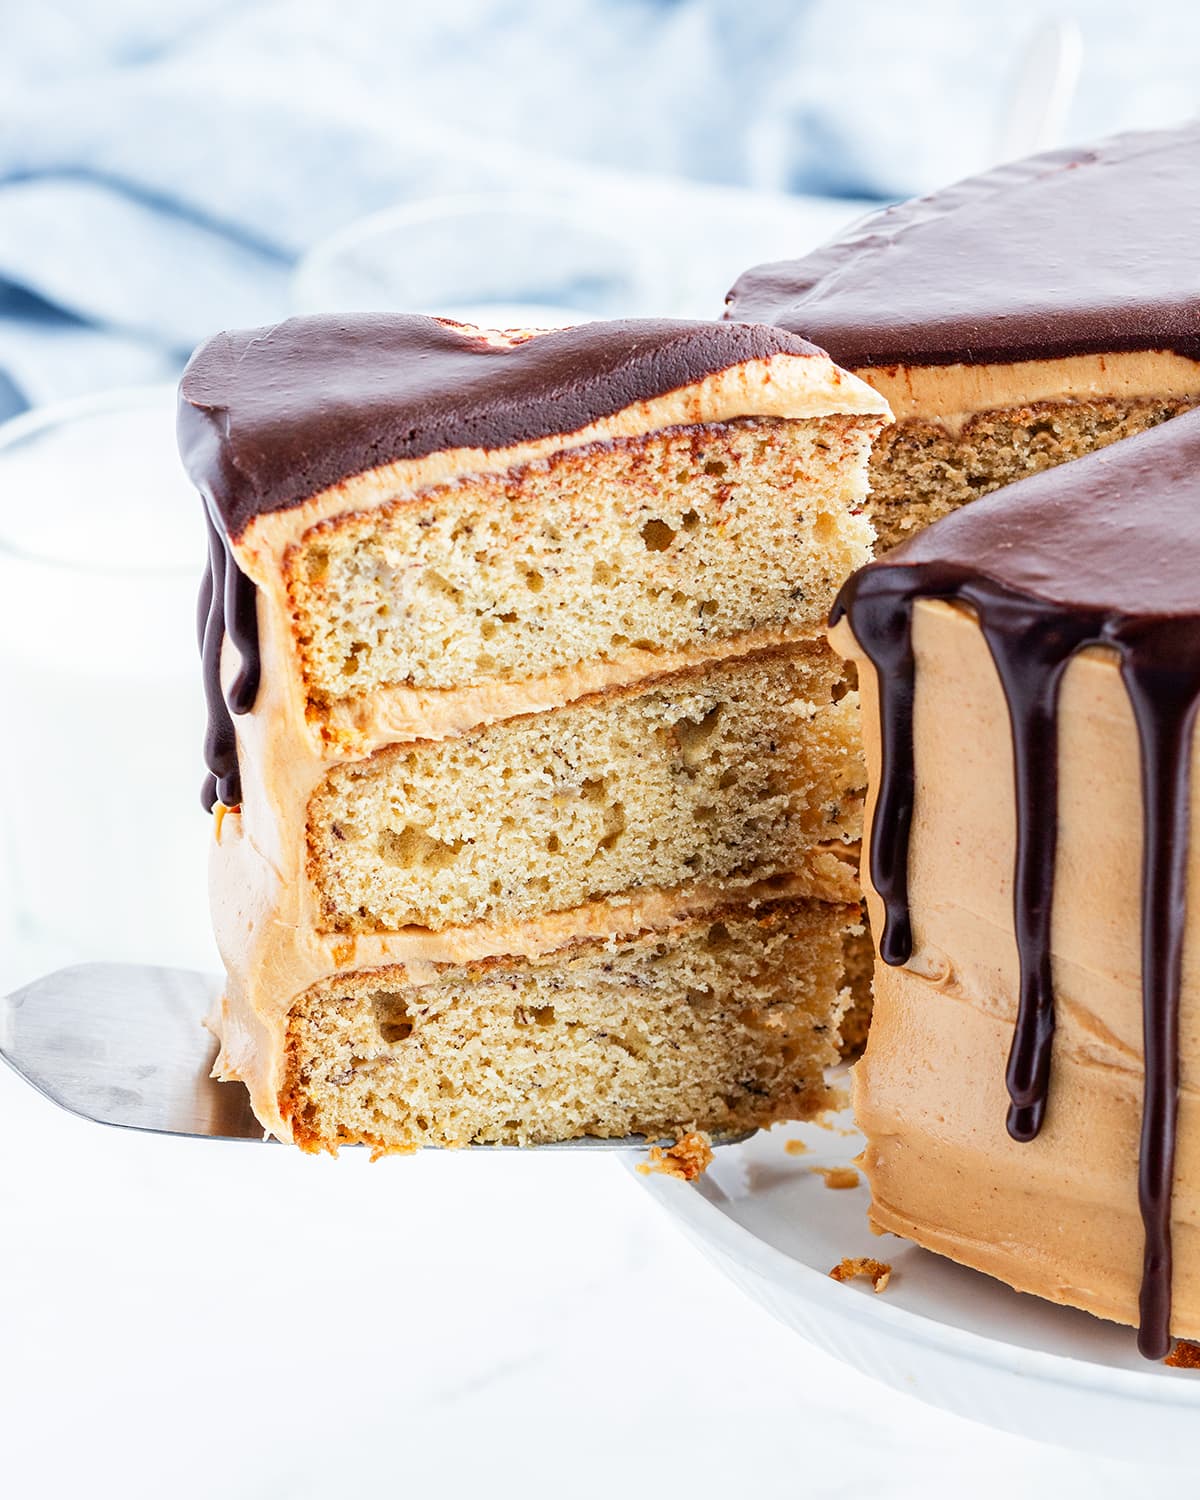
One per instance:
(359, 726)
(1057, 1216)
(1030, 283)
(1031, 675)
(949, 396)
(259, 465)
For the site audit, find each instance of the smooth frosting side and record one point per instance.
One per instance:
(1084, 251)
(1057, 1216)
(269, 417)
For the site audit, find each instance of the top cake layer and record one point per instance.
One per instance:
(465, 582)
(270, 417)
(1082, 251)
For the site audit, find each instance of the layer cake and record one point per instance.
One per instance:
(535, 777)
(1030, 671)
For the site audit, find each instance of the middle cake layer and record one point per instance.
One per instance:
(729, 773)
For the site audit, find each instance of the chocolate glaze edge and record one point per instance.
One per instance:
(269, 416)
(1036, 254)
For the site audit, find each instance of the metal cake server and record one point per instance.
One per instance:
(124, 1044)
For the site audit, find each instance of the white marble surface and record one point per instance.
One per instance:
(188, 1319)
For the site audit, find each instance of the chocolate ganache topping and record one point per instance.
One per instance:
(269, 417)
(1102, 552)
(1083, 251)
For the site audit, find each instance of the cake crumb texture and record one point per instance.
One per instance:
(688, 535)
(730, 774)
(859, 950)
(920, 471)
(687, 1159)
(717, 1025)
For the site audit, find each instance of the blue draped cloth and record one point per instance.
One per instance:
(163, 165)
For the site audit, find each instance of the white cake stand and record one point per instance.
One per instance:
(949, 1336)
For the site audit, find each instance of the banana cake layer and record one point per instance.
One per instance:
(627, 546)
(729, 774)
(726, 1022)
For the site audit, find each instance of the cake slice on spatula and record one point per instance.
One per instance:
(534, 776)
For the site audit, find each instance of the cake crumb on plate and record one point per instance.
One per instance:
(878, 1272)
(686, 1159)
(838, 1177)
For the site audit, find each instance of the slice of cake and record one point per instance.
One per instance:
(1030, 671)
(536, 778)
(1014, 321)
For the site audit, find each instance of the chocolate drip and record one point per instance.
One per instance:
(1032, 640)
(882, 617)
(1031, 653)
(1165, 699)
(227, 604)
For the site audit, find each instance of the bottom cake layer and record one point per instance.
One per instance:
(722, 1024)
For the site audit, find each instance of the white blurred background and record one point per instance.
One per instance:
(184, 1319)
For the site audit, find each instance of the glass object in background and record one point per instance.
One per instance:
(101, 549)
(1043, 85)
(501, 260)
